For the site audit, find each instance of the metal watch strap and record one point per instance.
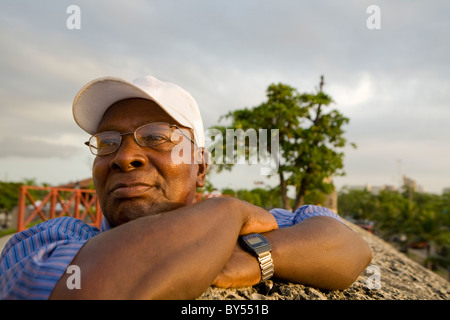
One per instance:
(266, 264)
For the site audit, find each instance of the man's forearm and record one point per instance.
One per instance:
(320, 251)
(173, 255)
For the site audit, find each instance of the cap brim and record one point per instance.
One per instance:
(92, 101)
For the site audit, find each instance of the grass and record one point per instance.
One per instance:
(7, 232)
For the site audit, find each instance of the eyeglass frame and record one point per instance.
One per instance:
(88, 143)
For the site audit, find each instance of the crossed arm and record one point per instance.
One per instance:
(179, 254)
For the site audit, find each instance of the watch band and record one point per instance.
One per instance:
(266, 264)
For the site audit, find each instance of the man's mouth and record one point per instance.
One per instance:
(133, 190)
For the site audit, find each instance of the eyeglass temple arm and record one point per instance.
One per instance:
(174, 125)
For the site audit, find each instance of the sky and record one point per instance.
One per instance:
(392, 81)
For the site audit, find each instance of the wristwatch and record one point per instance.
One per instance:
(259, 246)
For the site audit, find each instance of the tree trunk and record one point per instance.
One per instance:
(300, 197)
(429, 262)
(283, 190)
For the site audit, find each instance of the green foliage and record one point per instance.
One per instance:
(268, 198)
(418, 217)
(9, 195)
(309, 138)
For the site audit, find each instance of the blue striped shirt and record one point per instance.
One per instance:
(33, 261)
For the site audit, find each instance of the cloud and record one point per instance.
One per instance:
(23, 147)
(392, 83)
(353, 94)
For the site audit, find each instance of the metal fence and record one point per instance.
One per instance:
(38, 204)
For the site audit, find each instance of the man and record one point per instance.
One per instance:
(154, 243)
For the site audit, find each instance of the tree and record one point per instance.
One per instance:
(310, 138)
(357, 204)
(267, 198)
(9, 195)
(406, 217)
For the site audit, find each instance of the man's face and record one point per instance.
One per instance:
(138, 181)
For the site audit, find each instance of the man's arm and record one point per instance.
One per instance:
(173, 255)
(319, 251)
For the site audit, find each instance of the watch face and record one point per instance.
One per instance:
(256, 243)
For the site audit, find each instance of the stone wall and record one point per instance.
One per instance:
(400, 278)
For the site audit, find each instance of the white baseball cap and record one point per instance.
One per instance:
(92, 101)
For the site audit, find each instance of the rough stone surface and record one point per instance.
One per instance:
(400, 279)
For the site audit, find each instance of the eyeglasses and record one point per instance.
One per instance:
(159, 135)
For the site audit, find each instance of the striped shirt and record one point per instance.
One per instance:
(33, 261)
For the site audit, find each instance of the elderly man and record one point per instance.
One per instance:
(154, 243)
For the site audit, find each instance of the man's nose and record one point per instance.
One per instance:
(129, 156)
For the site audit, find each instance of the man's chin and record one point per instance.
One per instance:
(129, 210)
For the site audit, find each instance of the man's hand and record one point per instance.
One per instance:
(257, 219)
(241, 270)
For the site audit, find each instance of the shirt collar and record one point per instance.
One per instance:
(104, 225)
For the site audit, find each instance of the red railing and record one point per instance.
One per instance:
(44, 203)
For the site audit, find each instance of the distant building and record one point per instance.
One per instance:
(375, 190)
(80, 184)
(410, 183)
(389, 187)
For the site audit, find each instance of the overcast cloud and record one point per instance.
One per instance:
(392, 83)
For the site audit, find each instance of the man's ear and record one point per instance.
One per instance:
(201, 160)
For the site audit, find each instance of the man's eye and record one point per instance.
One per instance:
(106, 143)
(155, 138)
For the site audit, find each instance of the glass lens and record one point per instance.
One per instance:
(153, 134)
(105, 142)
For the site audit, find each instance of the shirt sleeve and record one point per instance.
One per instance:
(286, 218)
(33, 261)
